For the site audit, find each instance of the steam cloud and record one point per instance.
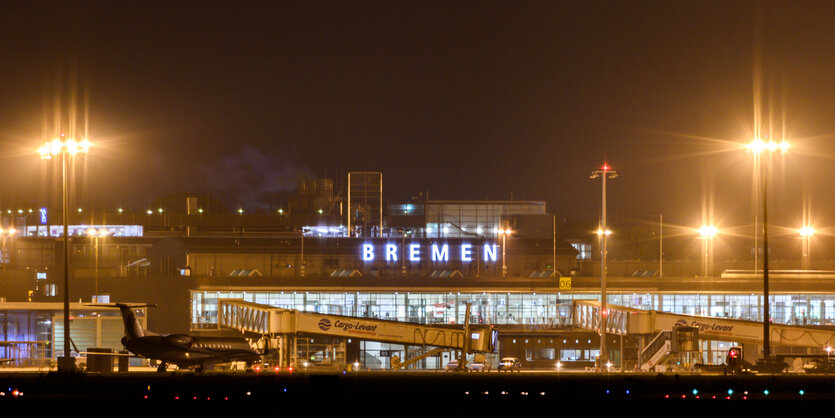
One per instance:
(252, 178)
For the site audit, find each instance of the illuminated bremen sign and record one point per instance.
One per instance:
(435, 252)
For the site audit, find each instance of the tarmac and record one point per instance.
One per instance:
(480, 390)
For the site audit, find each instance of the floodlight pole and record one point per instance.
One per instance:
(766, 313)
(758, 147)
(301, 266)
(603, 357)
(66, 364)
(504, 253)
(661, 246)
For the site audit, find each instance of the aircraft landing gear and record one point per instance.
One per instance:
(200, 369)
(161, 368)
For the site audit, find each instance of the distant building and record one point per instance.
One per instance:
(468, 218)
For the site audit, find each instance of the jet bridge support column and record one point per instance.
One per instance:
(283, 360)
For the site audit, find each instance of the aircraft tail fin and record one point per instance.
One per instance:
(132, 327)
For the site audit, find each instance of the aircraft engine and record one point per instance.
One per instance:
(181, 341)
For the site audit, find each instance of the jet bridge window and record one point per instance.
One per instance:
(571, 354)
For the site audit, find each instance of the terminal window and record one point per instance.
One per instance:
(583, 250)
(540, 354)
(578, 354)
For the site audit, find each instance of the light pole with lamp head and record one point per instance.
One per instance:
(660, 245)
(96, 234)
(708, 232)
(604, 173)
(757, 147)
(504, 233)
(806, 246)
(62, 147)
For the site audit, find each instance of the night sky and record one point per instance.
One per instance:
(466, 100)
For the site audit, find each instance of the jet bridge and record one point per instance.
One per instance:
(281, 324)
(621, 320)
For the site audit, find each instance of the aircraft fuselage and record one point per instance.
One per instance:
(186, 350)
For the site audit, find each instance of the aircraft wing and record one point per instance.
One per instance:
(88, 353)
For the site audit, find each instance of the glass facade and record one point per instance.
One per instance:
(26, 337)
(82, 230)
(463, 219)
(542, 309)
(34, 337)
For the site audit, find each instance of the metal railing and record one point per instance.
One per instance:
(659, 341)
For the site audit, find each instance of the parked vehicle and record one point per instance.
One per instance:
(477, 365)
(481, 366)
(510, 364)
(481, 363)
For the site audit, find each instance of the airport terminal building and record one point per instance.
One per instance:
(422, 263)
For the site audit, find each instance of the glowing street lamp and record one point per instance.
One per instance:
(64, 147)
(604, 173)
(707, 233)
(806, 245)
(757, 147)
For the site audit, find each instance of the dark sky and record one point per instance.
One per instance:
(467, 100)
